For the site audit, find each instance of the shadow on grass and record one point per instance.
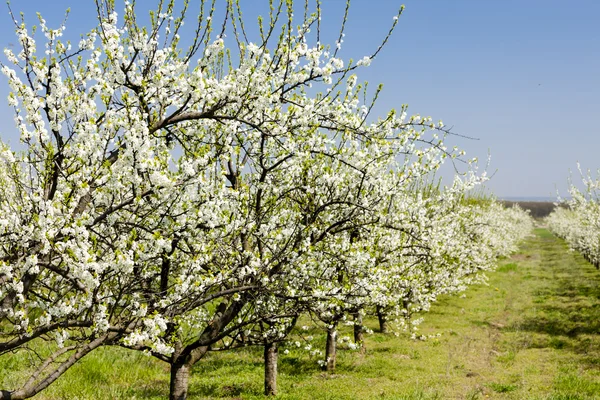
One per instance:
(212, 365)
(227, 391)
(234, 374)
(297, 366)
(158, 389)
(567, 312)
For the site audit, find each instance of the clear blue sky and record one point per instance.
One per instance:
(523, 76)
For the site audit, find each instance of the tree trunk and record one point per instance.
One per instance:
(35, 386)
(383, 324)
(359, 334)
(180, 375)
(270, 369)
(330, 348)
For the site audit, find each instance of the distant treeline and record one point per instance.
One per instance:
(538, 209)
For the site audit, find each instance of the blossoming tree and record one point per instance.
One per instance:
(578, 219)
(174, 200)
(160, 194)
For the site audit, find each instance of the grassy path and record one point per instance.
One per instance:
(533, 333)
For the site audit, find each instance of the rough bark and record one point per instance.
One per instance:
(180, 375)
(271, 353)
(383, 322)
(5, 395)
(359, 333)
(330, 348)
(180, 370)
(185, 357)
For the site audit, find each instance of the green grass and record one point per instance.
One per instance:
(532, 333)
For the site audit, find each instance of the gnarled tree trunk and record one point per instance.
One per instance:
(34, 386)
(181, 367)
(180, 375)
(185, 357)
(383, 323)
(359, 333)
(331, 348)
(270, 356)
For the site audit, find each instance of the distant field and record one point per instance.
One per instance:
(538, 209)
(533, 333)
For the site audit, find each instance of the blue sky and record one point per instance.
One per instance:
(523, 76)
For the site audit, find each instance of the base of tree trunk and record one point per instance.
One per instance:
(359, 333)
(383, 323)
(270, 369)
(330, 349)
(180, 375)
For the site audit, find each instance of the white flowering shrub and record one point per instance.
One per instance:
(577, 220)
(458, 241)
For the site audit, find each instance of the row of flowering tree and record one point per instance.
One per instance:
(577, 220)
(180, 200)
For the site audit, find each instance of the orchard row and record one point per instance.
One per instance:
(174, 198)
(578, 220)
